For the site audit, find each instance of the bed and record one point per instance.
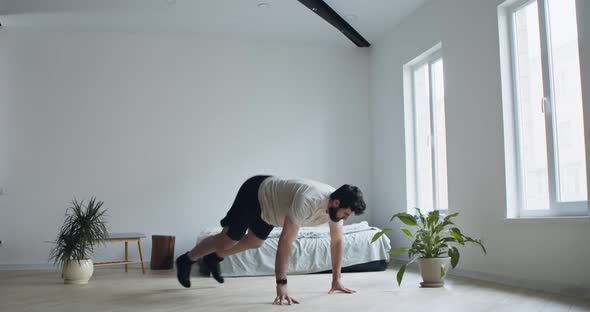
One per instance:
(310, 253)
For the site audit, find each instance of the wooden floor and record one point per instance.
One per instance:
(114, 290)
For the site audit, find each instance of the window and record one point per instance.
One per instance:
(543, 119)
(425, 133)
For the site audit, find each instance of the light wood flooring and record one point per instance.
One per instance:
(111, 289)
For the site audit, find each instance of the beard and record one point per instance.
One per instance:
(333, 214)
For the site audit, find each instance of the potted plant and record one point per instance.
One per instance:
(434, 245)
(82, 230)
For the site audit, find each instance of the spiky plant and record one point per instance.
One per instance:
(432, 239)
(82, 230)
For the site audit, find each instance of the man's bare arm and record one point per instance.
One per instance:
(286, 239)
(337, 253)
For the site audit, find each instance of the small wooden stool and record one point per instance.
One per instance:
(125, 237)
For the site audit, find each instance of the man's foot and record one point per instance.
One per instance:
(183, 270)
(211, 262)
(203, 270)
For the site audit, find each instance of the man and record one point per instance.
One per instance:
(266, 201)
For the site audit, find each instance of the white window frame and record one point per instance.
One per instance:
(514, 171)
(429, 57)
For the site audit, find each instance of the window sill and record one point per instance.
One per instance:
(576, 219)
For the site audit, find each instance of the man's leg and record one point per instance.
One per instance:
(207, 246)
(214, 243)
(236, 223)
(212, 260)
(249, 241)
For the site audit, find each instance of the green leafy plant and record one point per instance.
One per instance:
(82, 230)
(435, 237)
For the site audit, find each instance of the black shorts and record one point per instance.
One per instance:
(245, 213)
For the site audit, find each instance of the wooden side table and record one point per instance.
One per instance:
(125, 237)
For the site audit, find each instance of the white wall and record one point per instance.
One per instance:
(164, 129)
(550, 254)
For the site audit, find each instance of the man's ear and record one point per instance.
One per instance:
(336, 202)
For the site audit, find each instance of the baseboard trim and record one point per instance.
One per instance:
(28, 267)
(51, 267)
(547, 286)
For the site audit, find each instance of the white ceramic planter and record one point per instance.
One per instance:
(430, 268)
(78, 272)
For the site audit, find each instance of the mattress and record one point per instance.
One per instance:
(310, 252)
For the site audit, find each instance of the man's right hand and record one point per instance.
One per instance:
(282, 294)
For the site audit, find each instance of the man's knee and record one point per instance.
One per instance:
(224, 242)
(256, 242)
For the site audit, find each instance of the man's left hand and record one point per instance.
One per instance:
(337, 286)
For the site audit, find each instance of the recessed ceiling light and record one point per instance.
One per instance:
(264, 5)
(351, 17)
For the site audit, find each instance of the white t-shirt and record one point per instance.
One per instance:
(304, 201)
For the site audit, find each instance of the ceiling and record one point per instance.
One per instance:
(281, 20)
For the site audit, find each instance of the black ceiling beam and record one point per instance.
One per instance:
(326, 12)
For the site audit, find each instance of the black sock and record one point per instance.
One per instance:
(212, 262)
(183, 270)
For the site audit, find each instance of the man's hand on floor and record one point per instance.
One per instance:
(282, 294)
(337, 286)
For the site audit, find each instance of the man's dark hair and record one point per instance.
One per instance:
(350, 196)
